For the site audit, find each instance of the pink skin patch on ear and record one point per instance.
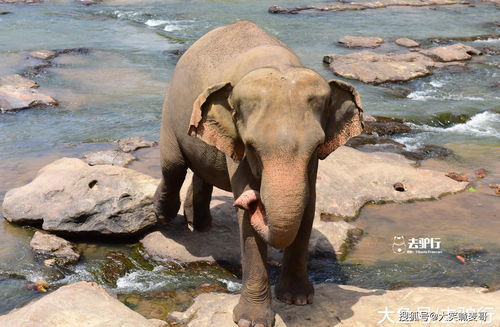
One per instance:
(250, 201)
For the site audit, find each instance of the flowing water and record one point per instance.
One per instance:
(116, 90)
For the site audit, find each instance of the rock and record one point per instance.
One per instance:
(177, 243)
(364, 139)
(350, 41)
(455, 52)
(68, 195)
(21, 1)
(109, 157)
(458, 177)
(17, 92)
(158, 323)
(349, 178)
(347, 306)
(43, 54)
(481, 173)
(3, 12)
(368, 117)
(362, 5)
(83, 302)
(115, 266)
(406, 42)
(130, 144)
(374, 68)
(386, 128)
(55, 247)
(39, 286)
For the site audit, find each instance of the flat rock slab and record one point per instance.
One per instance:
(109, 157)
(350, 178)
(342, 305)
(71, 196)
(75, 305)
(175, 242)
(375, 68)
(130, 144)
(17, 92)
(350, 41)
(54, 247)
(455, 52)
(406, 42)
(43, 54)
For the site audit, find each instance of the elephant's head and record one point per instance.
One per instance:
(276, 123)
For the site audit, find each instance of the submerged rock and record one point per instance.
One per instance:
(109, 157)
(350, 41)
(17, 92)
(57, 248)
(455, 52)
(386, 128)
(43, 54)
(406, 42)
(344, 305)
(71, 196)
(74, 304)
(130, 144)
(375, 68)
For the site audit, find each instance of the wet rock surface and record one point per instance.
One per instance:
(455, 52)
(406, 42)
(43, 54)
(342, 305)
(109, 157)
(362, 5)
(350, 41)
(83, 302)
(68, 195)
(130, 144)
(17, 92)
(54, 247)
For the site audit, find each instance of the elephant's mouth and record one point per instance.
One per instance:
(250, 201)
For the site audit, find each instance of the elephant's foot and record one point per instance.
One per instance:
(166, 210)
(199, 221)
(294, 291)
(247, 314)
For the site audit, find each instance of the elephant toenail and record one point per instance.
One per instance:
(244, 323)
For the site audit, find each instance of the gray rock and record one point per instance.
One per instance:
(75, 305)
(406, 42)
(349, 178)
(130, 144)
(109, 157)
(69, 195)
(17, 92)
(386, 128)
(43, 54)
(55, 247)
(350, 41)
(343, 305)
(455, 52)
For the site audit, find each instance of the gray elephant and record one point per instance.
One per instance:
(246, 116)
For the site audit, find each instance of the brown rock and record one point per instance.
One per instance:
(406, 42)
(457, 177)
(54, 247)
(455, 52)
(43, 54)
(350, 41)
(17, 92)
(481, 173)
(386, 128)
(374, 68)
(130, 144)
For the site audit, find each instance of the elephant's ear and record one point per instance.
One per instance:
(344, 117)
(212, 121)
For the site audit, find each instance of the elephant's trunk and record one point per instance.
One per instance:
(276, 212)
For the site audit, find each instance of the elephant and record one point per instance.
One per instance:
(245, 115)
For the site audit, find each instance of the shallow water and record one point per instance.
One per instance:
(116, 90)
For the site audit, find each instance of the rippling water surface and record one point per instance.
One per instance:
(116, 90)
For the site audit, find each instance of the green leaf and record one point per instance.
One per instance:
(472, 189)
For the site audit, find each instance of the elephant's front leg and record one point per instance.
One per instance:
(293, 286)
(254, 307)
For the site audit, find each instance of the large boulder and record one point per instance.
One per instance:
(17, 92)
(68, 195)
(54, 247)
(350, 41)
(455, 52)
(342, 305)
(80, 304)
(350, 178)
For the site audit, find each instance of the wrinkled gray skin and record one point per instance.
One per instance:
(246, 116)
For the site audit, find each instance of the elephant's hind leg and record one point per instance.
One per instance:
(197, 204)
